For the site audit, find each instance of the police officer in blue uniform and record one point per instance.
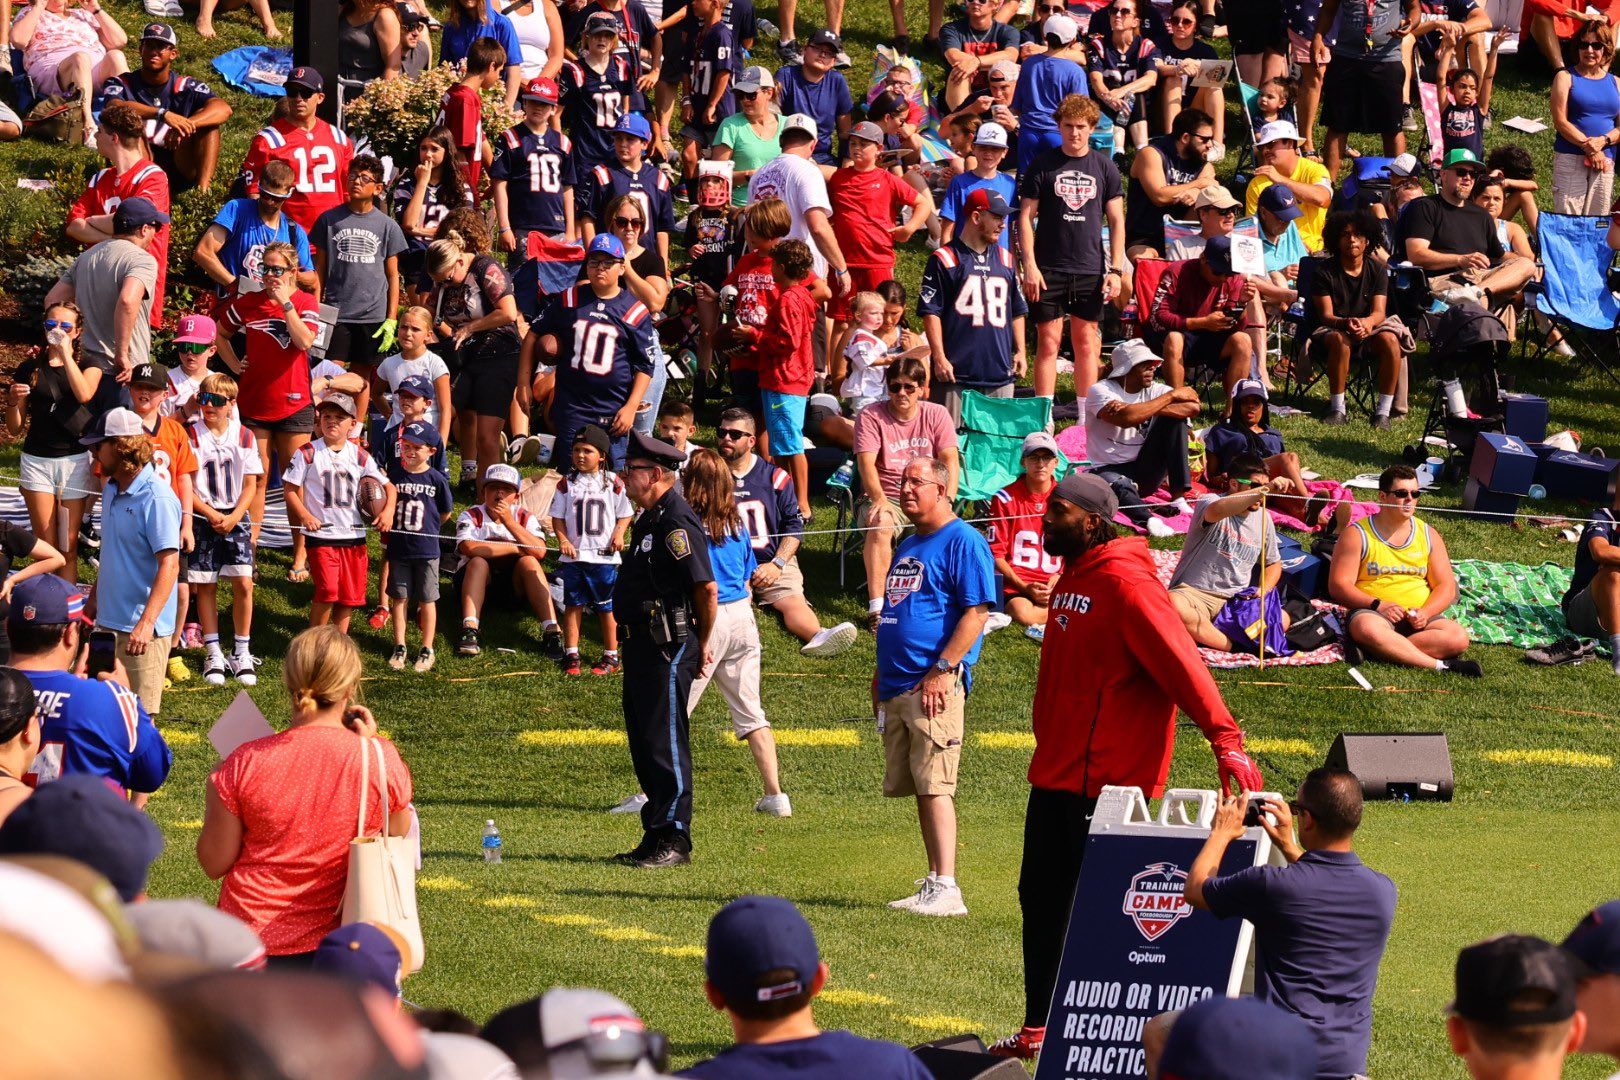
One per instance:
(665, 600)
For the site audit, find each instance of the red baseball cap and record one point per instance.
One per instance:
(540, 88)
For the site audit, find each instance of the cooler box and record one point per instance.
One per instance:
(1503, 463)
(1487, 505)
(1524, 416)
(1301, 569)
(1568, 475)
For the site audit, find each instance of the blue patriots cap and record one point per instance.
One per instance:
(1595, 941)
(421, 433)
(633, 124)
(753, 936)
(46, 600)
(605, 244)
(1238, 1039)
(415, 384)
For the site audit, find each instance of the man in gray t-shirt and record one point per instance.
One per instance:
(114, 283)
(1223, 547)
(357, 250)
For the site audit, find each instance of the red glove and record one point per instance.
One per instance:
(1236, 766)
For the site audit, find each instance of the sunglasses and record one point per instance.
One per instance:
(1403, 494)
(627, 222)
(274, 196)
(1183, 22)
(747, 95)
(903, 388)
(733, 433)
(1591, 45)
(299, 92)
(195, 346)
(1056, 10)
(217, 401)
(643, 468)
(1250, 483)
(277, 271)
(58, 324)
(1121, 12)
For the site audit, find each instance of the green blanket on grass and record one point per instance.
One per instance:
(1510, 603)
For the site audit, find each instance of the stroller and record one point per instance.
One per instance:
(1467, 343)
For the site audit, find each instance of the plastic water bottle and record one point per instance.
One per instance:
(842, 477)
(1537, 491)
(492, 842)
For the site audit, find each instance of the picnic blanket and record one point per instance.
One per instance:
(1510, 603)
(1164, 563)
(261, 70)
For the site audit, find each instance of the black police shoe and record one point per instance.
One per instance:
(551, 645)
(644, 850)
(667, 854)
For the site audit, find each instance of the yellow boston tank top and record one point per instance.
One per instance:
(1395, 575)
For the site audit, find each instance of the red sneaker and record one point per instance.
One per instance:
(1023, 1044)
(571, 666)
(378, 618)
(608, 665)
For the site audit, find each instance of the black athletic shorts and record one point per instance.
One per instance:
(1079, 295)
(486, 387)
(301, 422)
(353, 344)
(1256, 26)
(1363, 96)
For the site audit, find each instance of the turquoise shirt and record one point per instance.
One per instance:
(137, 525)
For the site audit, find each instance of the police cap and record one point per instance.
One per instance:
(647, 448)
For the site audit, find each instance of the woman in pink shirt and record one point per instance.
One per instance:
(282, 809)
(888, 434)
(71, 45)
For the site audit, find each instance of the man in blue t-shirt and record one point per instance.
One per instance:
(95, 726)
(1592, 604)
(1320, 922)
(762, 969)
(231, 251)
(936, 599)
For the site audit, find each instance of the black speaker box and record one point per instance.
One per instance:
(1407, 766)
(962, 1057)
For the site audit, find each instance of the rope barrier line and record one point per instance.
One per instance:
(856, 528)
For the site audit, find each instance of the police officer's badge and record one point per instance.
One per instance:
(678, 543)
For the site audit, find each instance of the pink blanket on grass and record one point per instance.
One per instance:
(1164, 563)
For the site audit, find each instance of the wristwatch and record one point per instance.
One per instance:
(945, 667)
(779, 562)
(1375, 605)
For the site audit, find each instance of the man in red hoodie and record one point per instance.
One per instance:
(1115, 666)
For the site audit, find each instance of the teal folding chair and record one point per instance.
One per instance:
(991, 441)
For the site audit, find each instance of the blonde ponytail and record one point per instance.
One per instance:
(321, 669)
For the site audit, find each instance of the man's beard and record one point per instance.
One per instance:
(1072, 545)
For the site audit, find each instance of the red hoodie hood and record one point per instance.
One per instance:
(1115, 666)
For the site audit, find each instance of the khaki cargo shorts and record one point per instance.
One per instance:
(921, 753)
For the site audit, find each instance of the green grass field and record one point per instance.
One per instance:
(1528, 845)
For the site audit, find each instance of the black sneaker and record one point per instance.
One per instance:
(644, 850)
(1380, 422)
(1469, 668)
(667, 854)
(789, 52)
(1566, 650)
(1337, 418)
(551, 644)
(467, 644)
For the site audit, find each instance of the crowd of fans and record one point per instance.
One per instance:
(363, 317)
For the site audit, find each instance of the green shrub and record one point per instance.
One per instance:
(30, 278)
(393, 114)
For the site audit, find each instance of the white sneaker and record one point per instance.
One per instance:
(242, 667)
(1036, 632)
(775, 805)
(942, 901)
(1217, 151)
(998, 620)
(630, 805)
(1182, 505)
(830, 640)
(214, 670)
(925, 887)
(1564, 348)
(1156, 527)
(1460, 294)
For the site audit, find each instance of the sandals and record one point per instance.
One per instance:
(298, 575)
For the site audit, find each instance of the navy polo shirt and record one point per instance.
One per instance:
(1320, 929)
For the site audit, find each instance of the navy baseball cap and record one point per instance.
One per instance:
(605, 244)
(160, 32)
(601, 22)
(360, 952)
(1281, 201)
(754, 935)
(1595, 941)
(1218, 254)
(133, 213)
(983, 199)
(415, 384)
(1494, 973)
(593, 435)
(81, 817)
(46, 600)
(421, 433)
(1224, 1038)
(307, 78)
(827, 40)
(633, 124)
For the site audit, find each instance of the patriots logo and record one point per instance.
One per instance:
(1062, 621)
(1075, 189)
(276, 328)
(905, 577)
(1154, 900)
(30, 613)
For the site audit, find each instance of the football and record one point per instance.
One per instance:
(373, 497)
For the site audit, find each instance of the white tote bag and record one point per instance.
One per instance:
(382, 869)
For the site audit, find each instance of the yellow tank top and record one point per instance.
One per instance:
(1395, 575)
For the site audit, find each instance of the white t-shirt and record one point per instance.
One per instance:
(864, 380)
(330, 483)
(1108, 444)
(590, 506)
(799, 183)
(182, 388)
(396, 369)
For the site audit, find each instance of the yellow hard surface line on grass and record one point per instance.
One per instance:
(626, 933)
(509, 901)
(567, 919)
(837, 995)
(1279, 746)
(937, 1022)
(176, 737)
(573, 737)
(1570, 759)
(1004, 740)
(816, 737)
(443, 883)
(680, 952)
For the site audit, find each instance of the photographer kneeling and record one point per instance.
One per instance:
(1198, 317)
